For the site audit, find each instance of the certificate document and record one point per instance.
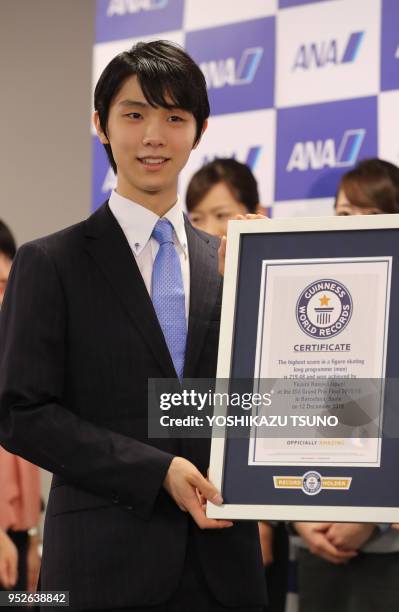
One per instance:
(320, 320)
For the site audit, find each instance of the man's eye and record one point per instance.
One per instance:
(134, 115)
(175, 119)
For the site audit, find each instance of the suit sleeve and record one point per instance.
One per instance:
(34, 423)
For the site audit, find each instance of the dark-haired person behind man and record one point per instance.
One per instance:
(218, 191)
(90, 314)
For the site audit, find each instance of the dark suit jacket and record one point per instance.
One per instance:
(79, 338)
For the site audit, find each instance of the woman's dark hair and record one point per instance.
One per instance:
(372, 183)
(164, 70)
(7, 242)
(237, 177)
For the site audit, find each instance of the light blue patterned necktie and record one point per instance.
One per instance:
(168, 294)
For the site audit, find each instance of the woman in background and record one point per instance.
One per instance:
(371, 188)
(19, 487)
(217, 193)
(353, 567)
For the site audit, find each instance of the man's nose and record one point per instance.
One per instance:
(154, 135)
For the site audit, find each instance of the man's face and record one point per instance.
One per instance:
(150, 145)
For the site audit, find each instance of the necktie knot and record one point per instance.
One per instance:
(163, 231)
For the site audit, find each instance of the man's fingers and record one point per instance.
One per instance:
(197, 511)
(222, 255)
(207, 490)
(187, 486)
(249, 217)
(252, 216)
(201, 498)
(222, 247)
(204, 522)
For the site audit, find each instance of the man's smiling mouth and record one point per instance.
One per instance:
(153, 161)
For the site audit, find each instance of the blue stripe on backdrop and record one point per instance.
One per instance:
(390, 45)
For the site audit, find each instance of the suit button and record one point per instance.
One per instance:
(130, 507)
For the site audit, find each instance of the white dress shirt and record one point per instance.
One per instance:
(137, 224)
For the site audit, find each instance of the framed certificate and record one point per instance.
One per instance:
(310, 317)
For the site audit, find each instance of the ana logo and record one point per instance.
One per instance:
(324, 309)
(319, 55)
(315, 155)
(122, 7)
(311, 483)
(219, 73)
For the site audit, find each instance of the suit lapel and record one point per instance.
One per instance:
(107, 245)
(204, 285)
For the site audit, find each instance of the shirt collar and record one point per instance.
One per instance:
(176, 218)
(138, 222)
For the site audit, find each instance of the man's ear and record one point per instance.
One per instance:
(201, 135)
(96, 120)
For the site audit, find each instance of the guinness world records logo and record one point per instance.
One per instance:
(311, 483)
(324, 308)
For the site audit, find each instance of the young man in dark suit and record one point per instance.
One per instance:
(91, 313)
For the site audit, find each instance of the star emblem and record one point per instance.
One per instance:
(324, 300)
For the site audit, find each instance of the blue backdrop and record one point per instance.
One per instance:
(299, 89)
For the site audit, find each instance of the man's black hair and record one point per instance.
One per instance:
(164, 71)
(7, 242)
